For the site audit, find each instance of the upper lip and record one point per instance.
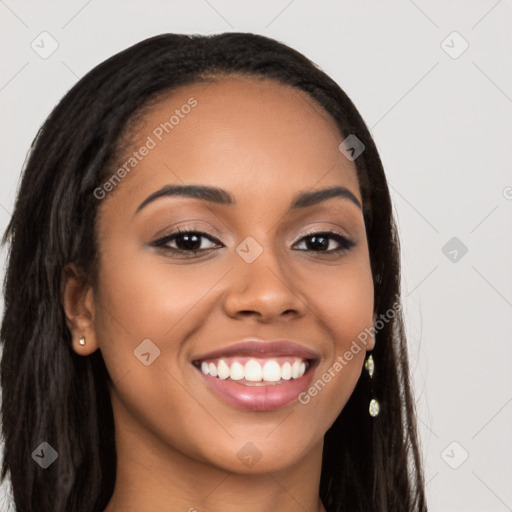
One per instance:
(260, 348)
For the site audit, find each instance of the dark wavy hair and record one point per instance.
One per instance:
(50, 393)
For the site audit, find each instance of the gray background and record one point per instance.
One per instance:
(442, 123)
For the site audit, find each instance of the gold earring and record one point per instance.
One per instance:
(374, 408)
(82, 340)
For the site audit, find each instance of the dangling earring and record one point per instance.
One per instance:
(374, 408)
(82, 340)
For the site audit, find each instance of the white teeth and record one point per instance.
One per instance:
(252, 371)
(223, 369)
(213, 369)
(236, 371)
(271, 371)
(295, 369)
(286, 371)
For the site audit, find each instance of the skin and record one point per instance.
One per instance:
(177, 442)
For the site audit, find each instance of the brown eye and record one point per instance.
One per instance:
(185, 241)
(320, 241)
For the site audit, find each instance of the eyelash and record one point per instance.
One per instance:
(345, 243)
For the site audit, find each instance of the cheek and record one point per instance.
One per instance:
(148, 298)
(143, 298)
(345, 309)
(343, 301)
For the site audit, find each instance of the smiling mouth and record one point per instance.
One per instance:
(254, 371)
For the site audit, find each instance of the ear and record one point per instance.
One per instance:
(77, 297)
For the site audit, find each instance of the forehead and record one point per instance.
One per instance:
(247, 135)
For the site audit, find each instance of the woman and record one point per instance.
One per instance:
(202, 301)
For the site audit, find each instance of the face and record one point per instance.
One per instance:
(169, 306)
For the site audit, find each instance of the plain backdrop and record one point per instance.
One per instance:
(433, 81)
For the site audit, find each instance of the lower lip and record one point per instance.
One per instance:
(258, 398)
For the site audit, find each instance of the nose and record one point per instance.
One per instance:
(265, 289)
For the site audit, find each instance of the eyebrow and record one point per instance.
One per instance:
(223, 197)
